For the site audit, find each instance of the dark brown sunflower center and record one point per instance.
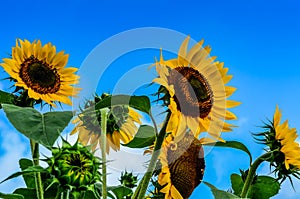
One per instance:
(186, 165)
(39, 76)
(193, 94)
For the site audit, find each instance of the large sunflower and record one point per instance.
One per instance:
(195, 91)
(41, 71)
(120, 126)
(182, 167)
(286, 139)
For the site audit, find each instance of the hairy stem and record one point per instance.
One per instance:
(38, 179)
(103, 152)
(146, 179)
(251, 173)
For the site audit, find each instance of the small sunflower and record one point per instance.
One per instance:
(41, 72)
(287, 138)
(194, 88)
(182, 167)
(285, 151)
(120, 125)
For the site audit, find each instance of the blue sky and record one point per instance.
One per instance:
(258, 41)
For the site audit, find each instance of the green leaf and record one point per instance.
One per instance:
(31, 169)
(141, 103)
(236, 183)
(42, 128)
(11, 196)
(26, 193)
(234, 145)
(28, 177)
(120, 191)
(143, 138)
(98, 190)
(264, 188)
(220, 193)
(6, 98)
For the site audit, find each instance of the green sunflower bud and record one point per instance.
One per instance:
(128, 180)
(74, 168)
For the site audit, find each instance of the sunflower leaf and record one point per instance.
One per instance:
(11, 196)
(6, 98)
(26, 192)
(143, 138)
(264, 188)
(31, 169)
(236, 183)
(141, 103)
(29, 177)
(220, 193)
(42, 128)
(120, 191)
(234, 145)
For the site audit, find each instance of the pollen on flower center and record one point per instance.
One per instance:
(39, 76)
(193, 93)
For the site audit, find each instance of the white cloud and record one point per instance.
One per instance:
(12, 149)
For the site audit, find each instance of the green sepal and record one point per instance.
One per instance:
(42, 128)
(141, 103)
(220, 193)
(143, 138)
(234, 145)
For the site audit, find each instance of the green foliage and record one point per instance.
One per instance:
(29, 170)
(143, 138)
(263, 187)
(141, 103)
(42, 128)
(220, 193)
(27, 193)
(11, 196)
(28, 177)
(6, 98)
(234, 145)
(121, 192)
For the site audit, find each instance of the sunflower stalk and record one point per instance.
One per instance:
(38, 179)
(146, 179)
(103, 151)
(252, 172)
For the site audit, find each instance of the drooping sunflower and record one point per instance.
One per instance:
(182, 167)
(41, 72)
(193, 85)
(286, 138)
(121, 125)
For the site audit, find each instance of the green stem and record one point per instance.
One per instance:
(146, 179)
(137, 190)
(103, 152)
(38, 179)
(251, 173)
(154, 123)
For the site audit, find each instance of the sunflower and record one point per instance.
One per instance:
(286, 137)
(120, 125)
(41, 72)
(193, 85)
(182, 167)
(283, 149)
